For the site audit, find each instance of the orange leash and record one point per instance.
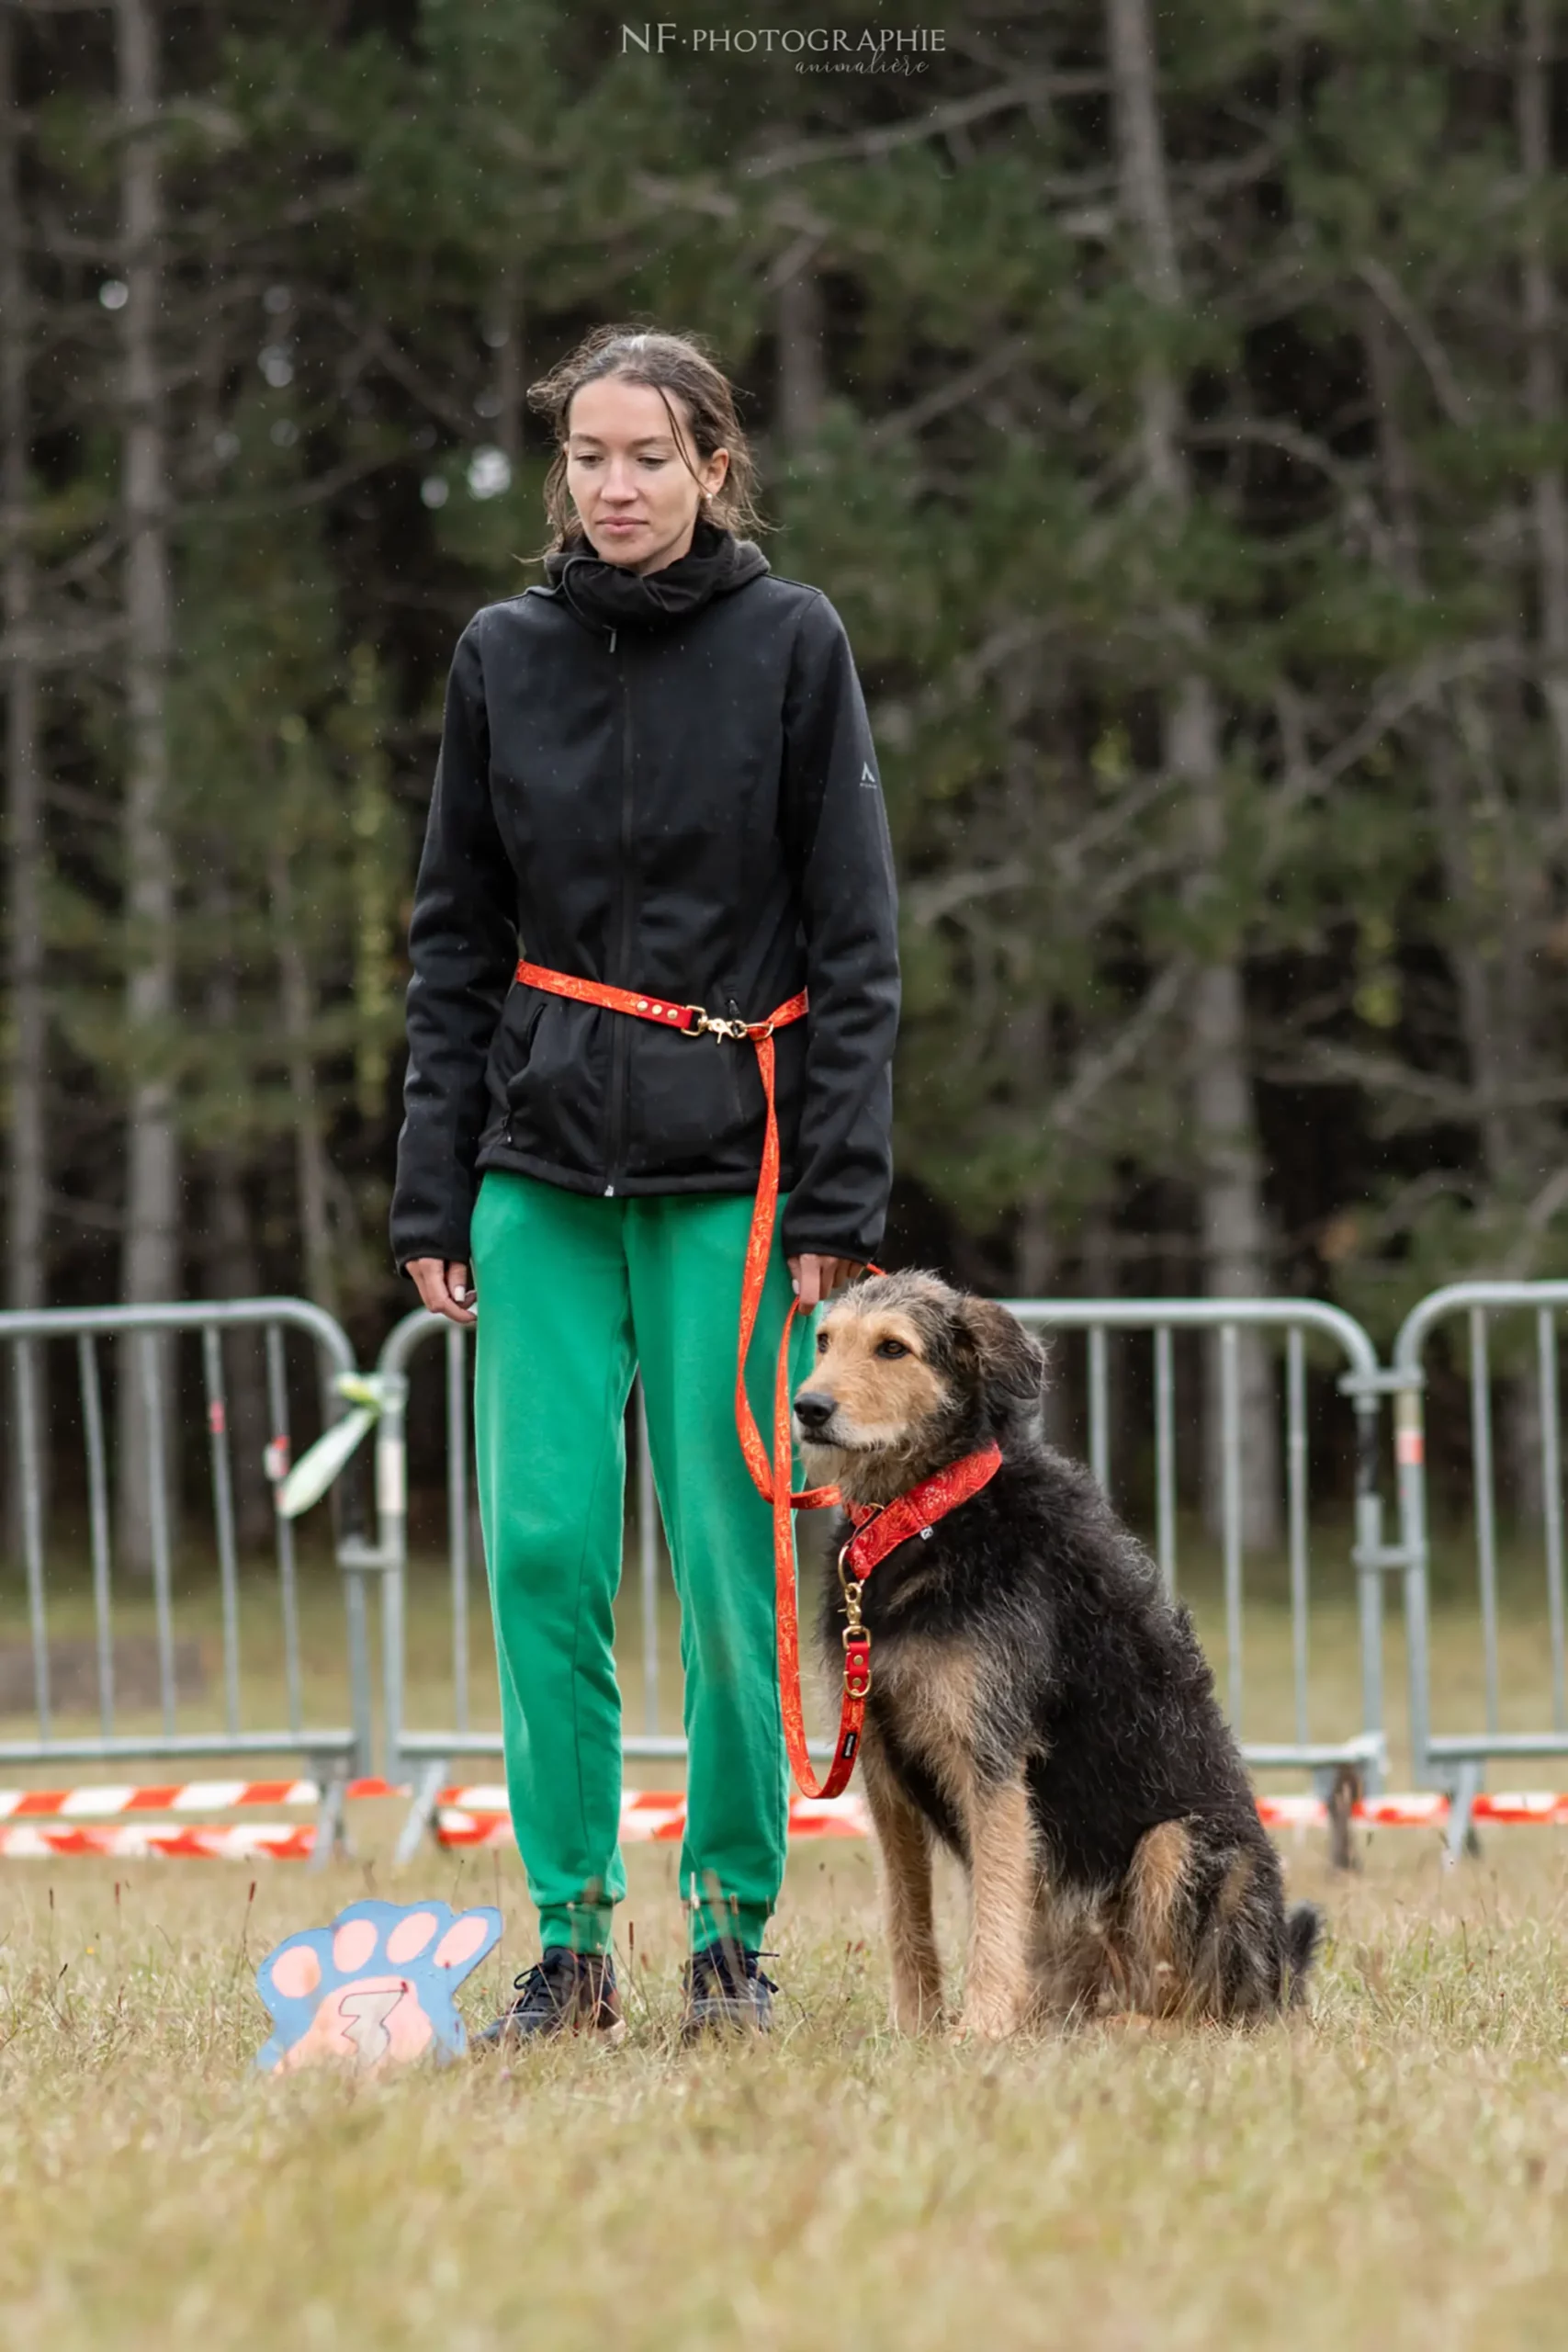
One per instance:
(770, 1477)
(877, 1531)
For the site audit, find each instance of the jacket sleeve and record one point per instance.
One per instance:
(836, 840)
(463, 949)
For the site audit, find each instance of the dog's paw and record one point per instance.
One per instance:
(374, 1988)
(989, 2021)
(916, 2015)
(965, 2030)
(1140, 2025)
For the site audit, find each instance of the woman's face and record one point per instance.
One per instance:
(633, 488)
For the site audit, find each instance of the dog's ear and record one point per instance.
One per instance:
(1010, 1364)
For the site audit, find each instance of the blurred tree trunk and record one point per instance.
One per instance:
(1488, 882)
(233, 1269)
(235, 1273)
(503, 333)
(1027, 1027)
(1036, 1256)
(150, 1258)
(802, 383)
(374, 881)
(25, 1273)
(1549, 517)
(26, 1200)
(312, 1172)
(1543, 370)
(1232, 1221)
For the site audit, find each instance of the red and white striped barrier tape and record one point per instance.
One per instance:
(478, 1816)
(647, 1815)
(1524, 1807)
(46, 1824)
(268, 1841)
(1422, 1809)
(101, 1804)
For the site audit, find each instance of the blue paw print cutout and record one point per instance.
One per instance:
(375, 1988)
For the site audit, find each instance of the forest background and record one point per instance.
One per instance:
(1168, 398)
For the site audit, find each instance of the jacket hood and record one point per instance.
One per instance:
(610, 595)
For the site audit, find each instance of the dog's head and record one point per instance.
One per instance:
(909, 1375)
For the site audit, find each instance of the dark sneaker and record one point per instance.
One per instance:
(564, 1991)
(726, 1991)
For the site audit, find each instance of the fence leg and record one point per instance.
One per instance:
(1462, 1837)
(421, 1812)
(356, 1621)
(331, 1828)
(1341, 1787)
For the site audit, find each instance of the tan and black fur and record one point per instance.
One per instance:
(1038, 1703)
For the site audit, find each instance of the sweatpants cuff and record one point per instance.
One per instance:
(581, 1927)
(717, 1922)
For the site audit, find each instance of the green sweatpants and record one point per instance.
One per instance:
(574, 1291)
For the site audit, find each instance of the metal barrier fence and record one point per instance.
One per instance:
(262, 1709)
(1456, 1759)
(427, 1749)
(1363, 1746)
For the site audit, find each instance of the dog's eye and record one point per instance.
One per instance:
(891, 1348)
(821, 1343)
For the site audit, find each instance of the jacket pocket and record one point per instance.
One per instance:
(552, 1083)
(517, 1048)
(695, 1106)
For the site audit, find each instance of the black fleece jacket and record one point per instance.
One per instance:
(666, 782)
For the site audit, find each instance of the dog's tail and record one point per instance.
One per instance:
(1304, 1937)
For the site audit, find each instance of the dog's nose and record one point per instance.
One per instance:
(813, 1411)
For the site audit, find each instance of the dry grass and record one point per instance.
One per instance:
(1392, 2171)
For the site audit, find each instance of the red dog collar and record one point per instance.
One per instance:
(882, 1527)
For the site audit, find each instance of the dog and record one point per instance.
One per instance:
(1037, 1702)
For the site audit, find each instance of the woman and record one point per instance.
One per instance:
(655, 772)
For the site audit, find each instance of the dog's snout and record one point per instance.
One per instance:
(813, 1410)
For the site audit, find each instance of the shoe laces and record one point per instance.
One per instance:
(718, 1961)
(540, 1981)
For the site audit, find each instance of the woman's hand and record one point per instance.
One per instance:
(816, 1278)
(443, 1285)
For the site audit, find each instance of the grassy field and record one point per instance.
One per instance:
(1389, 2170)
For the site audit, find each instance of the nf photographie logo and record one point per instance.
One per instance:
(817, 48)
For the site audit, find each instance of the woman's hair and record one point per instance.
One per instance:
(674, 365)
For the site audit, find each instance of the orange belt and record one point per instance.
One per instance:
(771, 1478)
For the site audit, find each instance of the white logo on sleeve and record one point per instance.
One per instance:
(868, 774)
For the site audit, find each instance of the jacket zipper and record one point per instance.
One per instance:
(735, 1013)
(622, 975)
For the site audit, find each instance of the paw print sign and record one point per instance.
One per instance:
(374, 1989)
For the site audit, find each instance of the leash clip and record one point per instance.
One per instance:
(715, 1024)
